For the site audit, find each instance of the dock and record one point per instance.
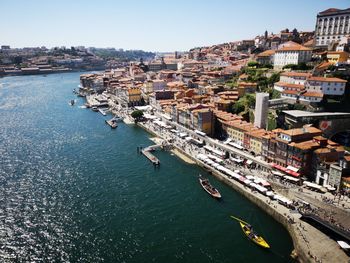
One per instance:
(112, 123)
(102, 112)
(147, 152)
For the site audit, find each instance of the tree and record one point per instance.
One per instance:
(275, 94)
(275, 77)
(18, 60)
(238, 107)
(253, 64)
(300, 66)
(137, 115)
(250, 100)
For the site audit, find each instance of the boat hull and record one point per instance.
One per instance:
(209, 189)
(254, 237)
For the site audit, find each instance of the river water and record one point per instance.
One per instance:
(73, 190)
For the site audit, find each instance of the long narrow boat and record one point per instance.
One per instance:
(208, 187)
(251, 234)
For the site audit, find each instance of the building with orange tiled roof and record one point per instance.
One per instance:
(224, 99)
(235, 130)
(305, 87)
(266, 57)
(293, 151)
(291, 53)
(253, 140)
(335, 57)
(198, 117)
(293, 77)
(246, 87)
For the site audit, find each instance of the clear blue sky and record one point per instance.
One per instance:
(152, 25)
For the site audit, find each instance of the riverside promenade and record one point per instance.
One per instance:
(310, 244)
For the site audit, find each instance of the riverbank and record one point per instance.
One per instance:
(310, 245)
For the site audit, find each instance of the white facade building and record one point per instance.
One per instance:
(291, 53)
(294, 77)
(331, 25)
(327, 86)
(304, 87)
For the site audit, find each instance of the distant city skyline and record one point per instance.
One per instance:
(158, 26)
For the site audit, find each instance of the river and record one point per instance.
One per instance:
(74, 190)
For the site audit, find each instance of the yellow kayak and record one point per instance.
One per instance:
(248, 230)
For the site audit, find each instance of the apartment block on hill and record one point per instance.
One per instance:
(305, 87)
(291, 53)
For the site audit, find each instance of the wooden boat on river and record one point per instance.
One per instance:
(251, 234)
(208, 187)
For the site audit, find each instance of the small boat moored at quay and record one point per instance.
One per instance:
(208, 187)
(251, 234)
(94, 108)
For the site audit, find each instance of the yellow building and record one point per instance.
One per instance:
(134, 96)
(255, 144)
(236, 130)
(246, 87)
(202, 120)
(337, 56)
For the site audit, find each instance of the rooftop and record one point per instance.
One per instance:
(296, 74)
(300, 113)
(313, 94)
(250, 84)
(267, 53)
(331, 11)
(306, 145)
(322, 79)
(292, 46)
(290, 85)
(299, 131)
